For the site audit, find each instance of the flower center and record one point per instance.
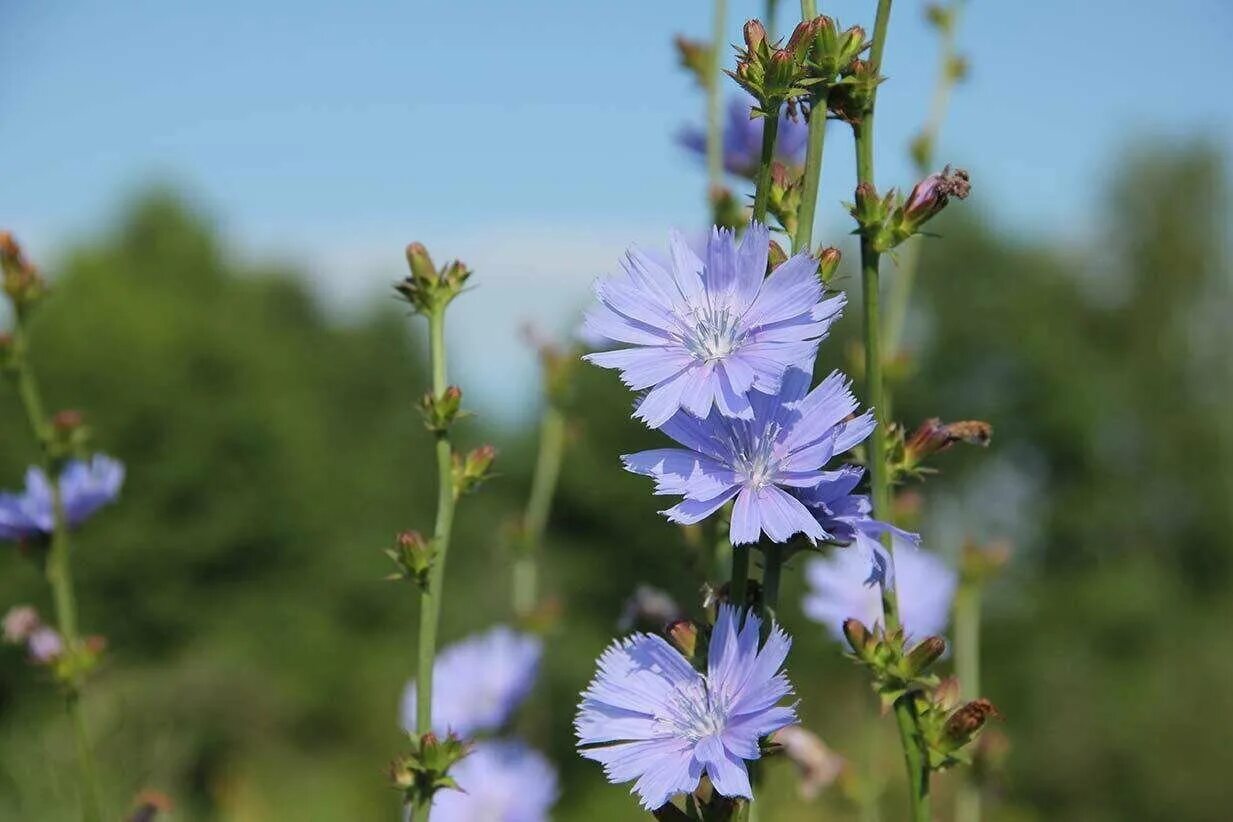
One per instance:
(756, 457)
(715, 332)
(695, 713)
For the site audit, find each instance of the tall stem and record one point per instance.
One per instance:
(906, 717)
(430, 601)
(739, 584)
(773, 555)
(539, 504)
(59, 572)
(909, 255)
(803, 239)
(967, 667)
(714, 124)
(771, 15)
(762, 193)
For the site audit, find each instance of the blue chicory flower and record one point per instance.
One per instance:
(839, 590)
(786, 445)
(848, 517)
(705, 334)
(499, 782)
(649, 716)
(742, 139)
(85, 487)
(477, 683)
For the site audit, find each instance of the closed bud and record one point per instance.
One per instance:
(828, 263)
(440, 412)
(858, 637)
(148, 805)
(414, 556)
(775, 257)
(20, 622)
(926, 652)
(755, 35)
(22, 282)
(420, 262)
(684, 636)
(966, 722)
(932, 436)
(66, 422)
(471, 471)
(946, 695)
(931, 195)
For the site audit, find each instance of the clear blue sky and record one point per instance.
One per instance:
(535, 137)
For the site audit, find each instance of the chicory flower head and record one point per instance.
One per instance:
(649, 716)
(742, 139)
(85, 487)
(786, 445)
(705, 333)
(477, 683)
(499, 782)
(839, 590)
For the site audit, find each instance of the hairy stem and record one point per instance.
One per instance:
(430, 601)
(967, 667)
(906, 717)
(714, 123)
(762, 192)
(59, 572)
(539, 504)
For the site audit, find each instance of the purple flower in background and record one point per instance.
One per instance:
(784, 446)
(477, 683)
(742, 139)
(86, 486)
(649, 716)
(704, 333)
(847, 517)
(499, 782)
(44, 645)
(839, 590)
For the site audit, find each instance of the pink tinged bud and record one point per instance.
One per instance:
(420, 262)
(66, 422)
(20, 622)
(755, 35)
(926, 653)
(828, 262)
(858, 637)
(44, 645)
(684, 635)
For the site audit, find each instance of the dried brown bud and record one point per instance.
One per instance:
(965, 722)
(926, 652)
(858, 635)
(68, 421)
(932, 436)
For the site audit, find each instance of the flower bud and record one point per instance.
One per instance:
(755, 35)
(20, 622)
(966, 722)
(776, 257)
(859, 638)
(933, 436)
(427, 289)
(946, 695)
(21, 280)
(684, 637)
(440, 412)
(930, 195)
(926, 652)
(414, 557)
(419, 774)
(828, 263)
(473, 470)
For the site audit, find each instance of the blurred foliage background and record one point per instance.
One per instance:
(273, 450)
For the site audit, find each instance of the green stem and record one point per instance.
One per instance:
(59, 571)
(762, 193)
(539, 504)
(803, 240)
(909, 255)
(430, 601)
(967, 668)
(739, 584)
(771, 575)
(772, 9)
(906, 717)
(714, 122)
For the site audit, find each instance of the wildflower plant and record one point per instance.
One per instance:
(63, 491)
(720, 346)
